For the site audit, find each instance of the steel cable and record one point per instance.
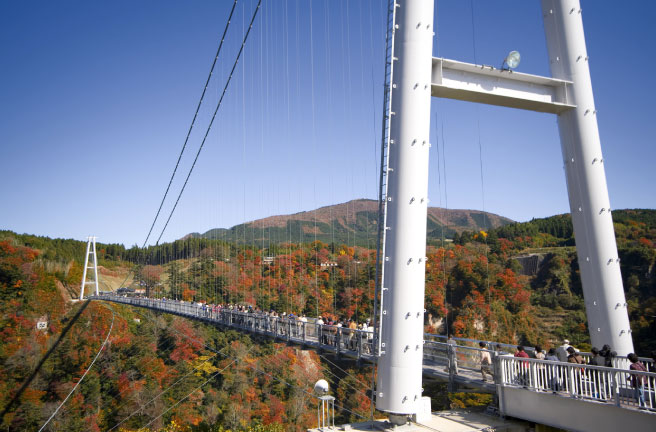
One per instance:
(209, 127)
(193, 121)
(85, 372)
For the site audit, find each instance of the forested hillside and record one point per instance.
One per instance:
(478, 286)
(556, 288)
(149, 363)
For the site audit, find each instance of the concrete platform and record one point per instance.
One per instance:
(443, 421)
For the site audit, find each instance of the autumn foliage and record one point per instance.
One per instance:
(161, 372)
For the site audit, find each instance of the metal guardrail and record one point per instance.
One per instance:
(619, 362)
(357, 343)
(618, 385)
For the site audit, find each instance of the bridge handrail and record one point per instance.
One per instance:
(596, 383)
(580, 380)
(620, 362)
(324, 335)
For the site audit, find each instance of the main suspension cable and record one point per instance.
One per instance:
(193, 121)
(209, 127)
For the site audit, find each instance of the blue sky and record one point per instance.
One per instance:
(97, 97)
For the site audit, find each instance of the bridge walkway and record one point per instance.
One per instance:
(516, 380)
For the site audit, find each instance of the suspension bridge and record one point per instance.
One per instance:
(574, 397)
(536, 390)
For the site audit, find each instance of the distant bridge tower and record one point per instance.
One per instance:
(413, 77)
(91, 250)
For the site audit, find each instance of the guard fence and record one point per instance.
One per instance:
(458, 357)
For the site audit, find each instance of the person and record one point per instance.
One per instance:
(551, 355)
(370, 336)
(561, 351)
(521, 352)
(553, 370)
(486, 362)
(351, 336)
(332, 332)
(302, 322)
(321, 331)
(541, 370)
(573, 356)
(637, 381)
(522, 376)
(599, 390)
(596, 359)
(608, 354)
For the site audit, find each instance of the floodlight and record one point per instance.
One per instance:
(321, 387)
(512, 59)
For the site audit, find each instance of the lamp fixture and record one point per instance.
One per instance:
(511, 61)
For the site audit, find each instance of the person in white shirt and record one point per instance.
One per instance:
(561, 351)
(486, 362)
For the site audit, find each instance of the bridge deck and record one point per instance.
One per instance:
(456, 364)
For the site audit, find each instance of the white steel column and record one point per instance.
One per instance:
(84, 273)
(95, 265)
(606, 306)
(91, 243)
(398, 388)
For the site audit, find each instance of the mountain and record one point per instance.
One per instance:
(353, 223)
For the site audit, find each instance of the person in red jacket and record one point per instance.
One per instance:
(522, 375)
(520, 352)
(637, 381)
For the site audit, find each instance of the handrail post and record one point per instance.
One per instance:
(496, 368)
(615, 388)
(572, 381)
(359, 342)
(451, 355)
(338, 340)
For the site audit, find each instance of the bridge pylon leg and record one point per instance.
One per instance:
(399, 384)
(596, 248)
(91, 250)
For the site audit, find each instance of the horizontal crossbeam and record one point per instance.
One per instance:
(485, 84)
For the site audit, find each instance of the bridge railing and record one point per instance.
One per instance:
(620, 387)
(335, 338)
(455, 359)
(613, 385)
(619, 362)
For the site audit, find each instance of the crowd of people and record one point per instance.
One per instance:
(348, 334)
(344, 333)
(565, 353)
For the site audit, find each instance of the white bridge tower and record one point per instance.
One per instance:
(91, 250)
(415, 78)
